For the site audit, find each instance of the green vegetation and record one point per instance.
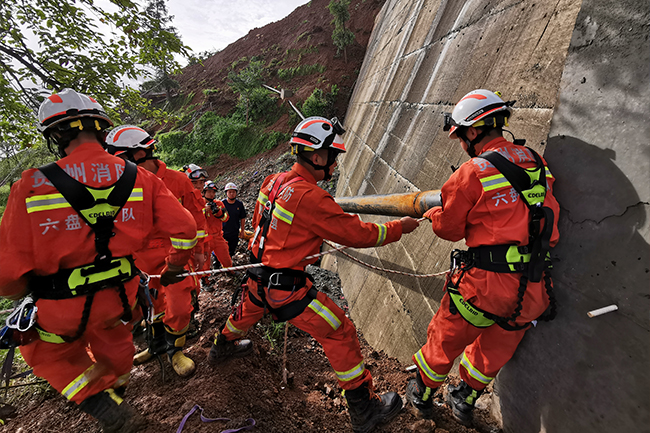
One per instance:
(342, 36)
(215, 135)
(41, 49)
(247, 83)
(296, 71)
(320, 103)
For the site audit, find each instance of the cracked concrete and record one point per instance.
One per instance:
(580, 72)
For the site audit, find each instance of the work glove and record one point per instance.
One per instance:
(169, 274)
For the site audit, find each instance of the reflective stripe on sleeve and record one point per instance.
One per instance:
(382, 234)
(424, 367)
(325, 313)
(346, 376)
(282, 214)
(262, 198)
(78, 384)
(183, 244)
(473, 371)
(201, 234)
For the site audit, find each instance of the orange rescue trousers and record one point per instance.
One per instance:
(175, 301)
(219, 246)
(486, 350)
(324, 321)
(68, 367)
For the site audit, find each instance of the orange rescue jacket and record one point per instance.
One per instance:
(41, 234)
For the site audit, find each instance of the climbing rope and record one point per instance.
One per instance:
(335, 248)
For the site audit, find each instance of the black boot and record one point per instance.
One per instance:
(462, 399)
(420, 396)
(223, 349)
(368, 409)
(157, 345)
(113, 414)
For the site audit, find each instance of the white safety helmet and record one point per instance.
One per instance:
(67, 105)
(317, 133)
(126, 138)
(209, 185)
(194, 172)
(478, 108)
(62, 116)
(230, 185)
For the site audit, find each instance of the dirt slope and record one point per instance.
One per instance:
(302, 38)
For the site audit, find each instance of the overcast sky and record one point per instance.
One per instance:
(206, 25)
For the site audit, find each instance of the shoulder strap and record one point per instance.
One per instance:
(83, 198)
(518, 177)
(267, 215)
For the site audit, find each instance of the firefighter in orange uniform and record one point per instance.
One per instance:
(173, 304)
(502, 283)
(67, 239)
(215, 215)
(292, 217)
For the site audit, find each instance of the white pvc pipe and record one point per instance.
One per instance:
(603, 310)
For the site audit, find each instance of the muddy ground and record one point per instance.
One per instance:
(246, 388)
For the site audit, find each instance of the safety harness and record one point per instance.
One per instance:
(284, 279)
(532, 261)
(97, 207)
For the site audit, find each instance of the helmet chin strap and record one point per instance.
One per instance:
(331, 159)
(472, 143)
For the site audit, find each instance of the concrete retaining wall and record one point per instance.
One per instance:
(580, 73)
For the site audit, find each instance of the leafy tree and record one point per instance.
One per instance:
(50, 45)
(246, 82)
(163, 60)
(342, 36)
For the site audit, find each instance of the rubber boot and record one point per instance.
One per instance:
(368, 409)
(157, 344)
(420, 396)
(182, 365)
(222, 349)
(462, 399)
(113, 414)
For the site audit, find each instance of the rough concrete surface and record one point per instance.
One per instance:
(579, 71)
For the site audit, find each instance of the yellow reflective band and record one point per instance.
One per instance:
(424, 367)
(78, 384)
(56, 201)
(548, 172)
(183, 244)
(382, 234)
(262, 198)
(201, 234)
(353, 373)
(473, 371)
(45, 202)
(282, 214)
(49, 337)
(232, 328)
(325, 313)
(494, 182)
